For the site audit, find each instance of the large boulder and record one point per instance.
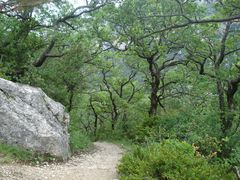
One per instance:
(29, 118)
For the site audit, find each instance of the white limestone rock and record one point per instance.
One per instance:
(29, 118)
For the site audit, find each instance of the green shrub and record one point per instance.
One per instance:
(182, 124)
(78, 141)
(169, 159)
(208, 146)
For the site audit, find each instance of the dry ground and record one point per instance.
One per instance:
(100, 164)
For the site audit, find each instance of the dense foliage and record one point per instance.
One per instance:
(170, 160)
(143, 70)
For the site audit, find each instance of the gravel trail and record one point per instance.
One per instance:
(100, 164)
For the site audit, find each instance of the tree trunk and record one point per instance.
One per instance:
(227, 113)
(70, 101)
(115, 116)
(95, 116)
(95, 126)
(222, 113)
(231, 91)
(113, 125)
(124, 121)
(154, 100)
(155, 82)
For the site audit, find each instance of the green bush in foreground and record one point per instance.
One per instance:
(170, 159)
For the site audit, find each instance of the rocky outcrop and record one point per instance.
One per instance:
(29, 118)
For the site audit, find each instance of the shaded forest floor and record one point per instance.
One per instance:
(100, 163)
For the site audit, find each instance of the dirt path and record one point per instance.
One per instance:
(97, 165)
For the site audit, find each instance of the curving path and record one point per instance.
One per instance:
(97, 165)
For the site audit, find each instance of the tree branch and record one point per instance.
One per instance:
(192, 22)
(45, 54)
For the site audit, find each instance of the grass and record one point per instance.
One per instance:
(79, 143)
(9, 154)
(12, 153)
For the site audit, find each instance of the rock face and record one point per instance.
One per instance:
(29, 118)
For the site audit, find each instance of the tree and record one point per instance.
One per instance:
(218, 60)
(160, 51)
(29, 23)
(117, 90)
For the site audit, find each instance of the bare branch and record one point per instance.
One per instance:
(192, 22)
(45, 54)
(223, 44)
(233, 51)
